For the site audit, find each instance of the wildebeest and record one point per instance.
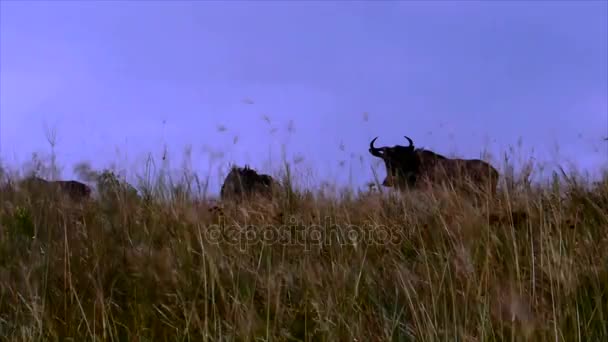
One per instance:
(410, 167)
(245, 182)
(77, 191)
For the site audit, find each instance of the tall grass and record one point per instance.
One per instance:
(306, 266)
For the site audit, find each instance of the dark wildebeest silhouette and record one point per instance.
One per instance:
(245, 182)
(410, 167)
(77, 191)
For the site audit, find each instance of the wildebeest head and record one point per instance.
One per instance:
(77, 191)
(246, 182)
(401, 163)
(407, 166)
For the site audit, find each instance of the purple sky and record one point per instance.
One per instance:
(456, 76)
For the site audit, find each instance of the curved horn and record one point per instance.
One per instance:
(374, 150)
(410, 141)
(371, 144)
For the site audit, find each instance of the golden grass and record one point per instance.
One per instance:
(365, 267)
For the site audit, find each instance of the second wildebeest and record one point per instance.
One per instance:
(244, 182)
(77, 191)
(410, 167)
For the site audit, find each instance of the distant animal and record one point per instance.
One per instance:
(77, 191)
(410, 167)
(109, 185)
(244, 182)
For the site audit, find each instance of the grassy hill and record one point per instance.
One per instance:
(530, 264)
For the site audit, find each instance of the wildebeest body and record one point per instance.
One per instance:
(410, 167)
(77, 191)
(245, 183)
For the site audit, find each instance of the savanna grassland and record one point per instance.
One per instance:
(530, 264)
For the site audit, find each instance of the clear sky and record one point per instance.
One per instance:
(118, 80)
